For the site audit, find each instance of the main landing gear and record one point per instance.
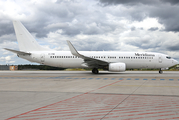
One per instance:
(95, 71)
(160, 71)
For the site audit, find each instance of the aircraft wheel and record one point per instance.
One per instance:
(95, 71)
(160, 71)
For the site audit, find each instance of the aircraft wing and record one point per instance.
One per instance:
(90, 62)
(18, 52)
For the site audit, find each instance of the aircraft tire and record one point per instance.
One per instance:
(95, 71)
(160, 71)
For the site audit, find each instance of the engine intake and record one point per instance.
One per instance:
(117, 67)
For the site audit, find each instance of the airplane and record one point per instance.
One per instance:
(113, 61)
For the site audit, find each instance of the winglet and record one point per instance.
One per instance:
(72, 49)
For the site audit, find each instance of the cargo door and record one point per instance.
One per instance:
(42, 58)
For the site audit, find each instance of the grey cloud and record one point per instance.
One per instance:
(6, 27)
(153, 43)
(133, 28)
(64, 12)
(89, 24)
(51, 13)
(173, 47)
(137, 2)
(128, 2)
(8, 38)
(144, 46)
(153, 29)
(66, 1)
(143, 41)
(94, 45)
(167, 14)
(134, 12)
(171, 1)
(6, 31)
(93, 28)
(36, 27)
(90, 28)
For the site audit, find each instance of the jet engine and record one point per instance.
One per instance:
(117, 67)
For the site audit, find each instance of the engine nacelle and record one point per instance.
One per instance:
(117, 67)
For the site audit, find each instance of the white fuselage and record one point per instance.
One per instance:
(65, 59)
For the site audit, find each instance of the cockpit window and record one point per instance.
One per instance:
(168, 57)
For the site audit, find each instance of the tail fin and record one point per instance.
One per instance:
(25, 40)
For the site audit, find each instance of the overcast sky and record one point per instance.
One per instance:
(92, 25)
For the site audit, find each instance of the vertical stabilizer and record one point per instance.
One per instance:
(25, 40)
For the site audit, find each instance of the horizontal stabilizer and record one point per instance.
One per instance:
(18, 52)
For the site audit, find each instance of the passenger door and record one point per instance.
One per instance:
(160, 58)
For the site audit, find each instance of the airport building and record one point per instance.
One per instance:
(9, 67)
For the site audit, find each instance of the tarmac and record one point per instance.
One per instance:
(81, 95)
